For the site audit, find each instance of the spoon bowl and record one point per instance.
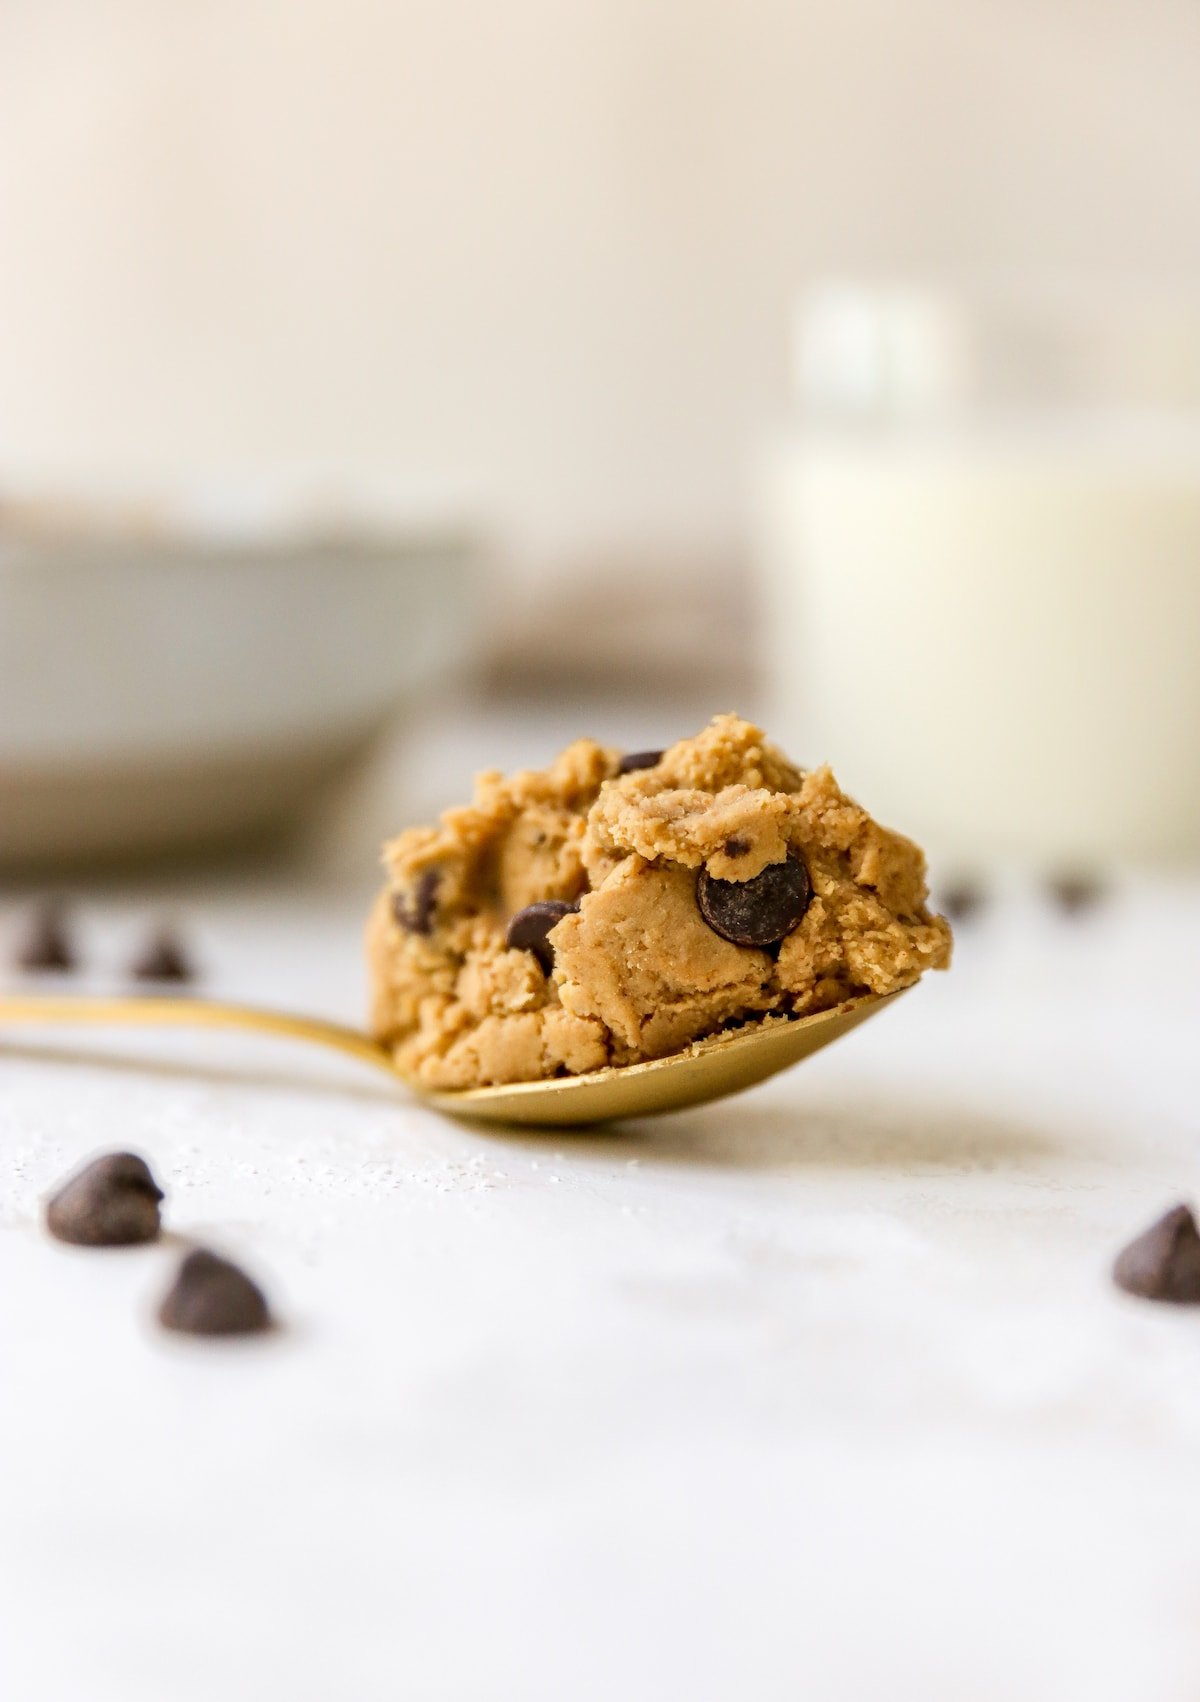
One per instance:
(708, 1069)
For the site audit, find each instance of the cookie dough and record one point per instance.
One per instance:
(608, 910)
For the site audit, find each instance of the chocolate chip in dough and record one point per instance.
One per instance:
(1164, 1262)
(415, 914)
(639, 759)
(529, 929)
(47, 945)
(112, 1202)
(758, 912)
(212, 1297)
(736, 846)
(163, 959)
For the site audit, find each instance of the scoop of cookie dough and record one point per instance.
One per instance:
(715, 885)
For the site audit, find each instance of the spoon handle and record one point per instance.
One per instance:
(170, 1012)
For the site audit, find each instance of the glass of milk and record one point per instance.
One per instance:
(981, 551)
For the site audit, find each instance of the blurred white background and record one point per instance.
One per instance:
(535, 261)
(530, 275)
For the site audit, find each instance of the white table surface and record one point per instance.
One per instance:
(822, 1392)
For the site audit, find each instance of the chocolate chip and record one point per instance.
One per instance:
(639, 759)
(163, 959)
(416, 917)
(113, 1202)
(758, 912)
(1164, 1262)
(211, 1297)
(736, 846)
(1073, 893)
(962, 899)
(46, 944)
(529, 929)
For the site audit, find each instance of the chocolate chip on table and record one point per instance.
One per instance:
(212, 1297)
(758, 912)
(639, 759)
(962, 899)
(1076, 892)
(529, 929)
(46, 945)
(163, 959)
(415, 914)
(1164, 1262)
(112, 1202)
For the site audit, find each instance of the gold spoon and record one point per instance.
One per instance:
(708, 1069)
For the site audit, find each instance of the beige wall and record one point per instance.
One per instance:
(536, 254)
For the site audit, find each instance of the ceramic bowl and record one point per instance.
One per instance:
(164, 693)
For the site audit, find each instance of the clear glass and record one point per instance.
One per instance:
(981, 548)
